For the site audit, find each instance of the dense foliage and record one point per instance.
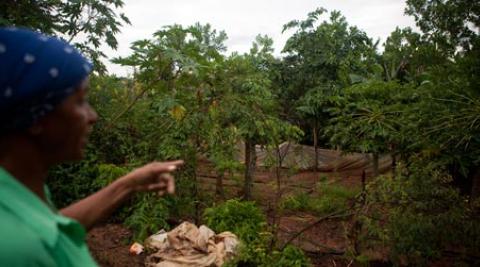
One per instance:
(247, 221)
(86, 23)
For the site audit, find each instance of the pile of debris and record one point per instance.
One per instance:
(188, 245)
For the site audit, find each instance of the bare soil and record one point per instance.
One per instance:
(109, 245)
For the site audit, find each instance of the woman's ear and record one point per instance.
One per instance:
(40, 126)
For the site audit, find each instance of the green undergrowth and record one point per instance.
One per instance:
(248, 222)
(328, 198)
(144, 214)
(420, 218)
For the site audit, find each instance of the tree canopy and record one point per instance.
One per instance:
(86, 23)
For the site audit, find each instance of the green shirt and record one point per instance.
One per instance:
(33, 234)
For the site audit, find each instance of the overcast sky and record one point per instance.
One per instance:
(243, 20)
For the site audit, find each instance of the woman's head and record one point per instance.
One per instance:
(43, 86)
(63, 132)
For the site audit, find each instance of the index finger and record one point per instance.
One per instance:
(167, 166)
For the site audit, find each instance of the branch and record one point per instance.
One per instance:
(336, 214)
(79, 29)
(331, 251)
(137, 97)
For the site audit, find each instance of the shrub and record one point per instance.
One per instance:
(248, 222)
(71, 182)
(290, 257)
(244, 219)
(107, 173)
(422, 216)
(330, 198)
(149, 215)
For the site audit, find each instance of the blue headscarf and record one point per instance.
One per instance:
(37, 72)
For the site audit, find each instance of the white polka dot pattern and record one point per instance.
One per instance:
(68, 50)
(53, 72)
(8, 92)
(46, 65)
(29, 58)
(86, 67)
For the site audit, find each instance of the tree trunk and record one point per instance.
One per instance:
(220, 193)
(250, 163)
(475, 191)
(393, 155)
(195, 196)
(278, 195)
(315, 145)
(363, 194)
(375, 165)
(394, 164)
(462, 182)
(364, 181)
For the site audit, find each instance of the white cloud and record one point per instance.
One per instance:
(243, 20)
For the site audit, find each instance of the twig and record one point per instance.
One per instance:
(137, 97)
(331, 250)
(332, 215)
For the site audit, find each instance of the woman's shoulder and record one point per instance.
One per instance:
(20, 245)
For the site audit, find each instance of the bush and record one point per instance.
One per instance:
(248, 222)
(290, 256)
(242, 218)
(149, 215)
(71, 182)
(421, 216)
(330, 198)
(145, 214)
(107, 173)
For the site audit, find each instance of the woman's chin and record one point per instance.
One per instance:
(80, 155)
(81, 152)
(75, 155)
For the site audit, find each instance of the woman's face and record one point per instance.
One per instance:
(62, 134)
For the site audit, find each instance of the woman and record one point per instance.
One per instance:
(45, 119)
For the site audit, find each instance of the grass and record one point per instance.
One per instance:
(328, 198)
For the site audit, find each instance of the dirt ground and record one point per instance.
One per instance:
(109, 245)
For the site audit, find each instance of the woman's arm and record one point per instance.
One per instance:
(151, 177)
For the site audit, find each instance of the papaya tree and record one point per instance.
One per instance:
(373, 117)
(321, 55)
(251, 104)
(452, 28)
(177, 72)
